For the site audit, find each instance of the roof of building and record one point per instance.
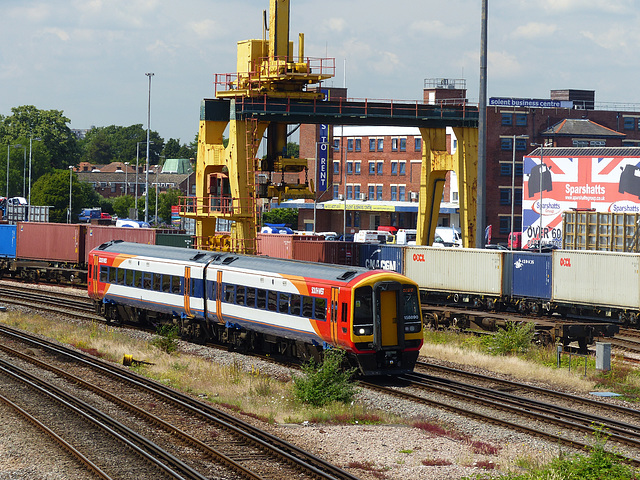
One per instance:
(177, 165)
(121, 177)
(586, 152)
(580, 127)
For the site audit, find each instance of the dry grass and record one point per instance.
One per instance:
(514, 366)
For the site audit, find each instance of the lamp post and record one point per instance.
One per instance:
(30, 145)
(146, 183)
(137, 170)
(541, 145)
(70, 191)
(126, 174)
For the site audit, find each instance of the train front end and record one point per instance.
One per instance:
(386, 324)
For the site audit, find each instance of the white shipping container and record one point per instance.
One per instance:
(455, 269)
(596, 278)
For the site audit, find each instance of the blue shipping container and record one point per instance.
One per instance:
(531, 274)
(384, 257)
(7, 241)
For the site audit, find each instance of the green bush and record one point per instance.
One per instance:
(167, 339)
(325, 382)
(514, 339)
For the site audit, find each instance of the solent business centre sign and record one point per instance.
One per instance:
(529, 102)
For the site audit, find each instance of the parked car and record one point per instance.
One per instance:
(515, 241)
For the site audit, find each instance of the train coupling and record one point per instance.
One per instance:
(128, 361)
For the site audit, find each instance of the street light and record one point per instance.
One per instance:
(146, 182)
(137, 169)
(541, 145)
(30, 144)
(9, 147)
(126, 173)
(70, 191)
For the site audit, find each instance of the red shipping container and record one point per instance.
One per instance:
(309, 251)
(275, 245)
(52, 242)
(96, 235)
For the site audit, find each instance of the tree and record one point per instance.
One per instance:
(123, 144)
(167, 200)
(49, 125)
(293, 150)
(288, 216)
(171, 148)
(52, 189)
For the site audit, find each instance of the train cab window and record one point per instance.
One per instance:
(157, 282)
(120, 276)
(147, 280)
(283, 303)
(320, 309)
(262, 299)
(166, 283)
(411, 303)
(363, 306)
(175, 285)
(137, 279)
(307, 306)
(273, 301)
(104, 274)
(229, 293)
(251, 297)
(295, 304)
(240, 295)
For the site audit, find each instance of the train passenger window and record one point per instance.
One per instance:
(363, 306)
(251, 297)
(273, 301)
(175, 285)
(229, 293)
(147, 280)
(112, 275)
(295, 304)
(213, 286)
(307, 307)
(104, 274)
(137, 279)
(321, 309)
(166, 283)
(120, 276)
(240, 295)
(197, 287)
(283, 303)
(262, 299)
(157, 282)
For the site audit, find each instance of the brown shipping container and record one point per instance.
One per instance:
(325, 251)
(51, 242)
(309, 251)
(96, 235)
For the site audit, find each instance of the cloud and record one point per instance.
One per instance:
(204, 28)
(335, 24)
(436, 28)
(615, 38)
(534, 30)
(503, 65)
(58, 32)
(620, 6)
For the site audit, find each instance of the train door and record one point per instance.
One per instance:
(335, 295)
(187, 291)
(94, 274)
(389, 316)
(218, 295)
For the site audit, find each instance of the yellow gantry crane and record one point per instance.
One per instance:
(230, 180)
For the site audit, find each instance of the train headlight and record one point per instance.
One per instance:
(361, 331)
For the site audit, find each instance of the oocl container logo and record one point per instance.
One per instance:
(418, 257)
(565, 262)
(549, 207)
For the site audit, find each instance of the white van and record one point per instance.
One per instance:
(406, 236)
(373, 236)
(448, 237)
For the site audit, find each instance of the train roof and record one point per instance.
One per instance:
(322, 271)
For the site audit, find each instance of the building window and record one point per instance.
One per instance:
(402, 196)
(394, 193)
(454, 196)
(356, 168)
(372, 144)
(336, 144)
(380, 144)
(505, 196)
(336, 168)
(521, 119)
(372, 168)
(629, 123)
(519, 169)
(372, 192)
(356, 220)
(580, 143)
(597, 143)
(403, 144)
(379, 169)
(378, 192)
(349, 144)
(505, 169)
(506, 143)
(356, 191)
(517, 199)
(335, 191)
(417, 143)
(521, 144)
(507, 119)
(349, 192)
(403, 168)
(350, 168)
(394, 168)
(505, 225)
(358, 144)
(394, 144)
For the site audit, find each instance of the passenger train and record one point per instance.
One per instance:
(263, 304)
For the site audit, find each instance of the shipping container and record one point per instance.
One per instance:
(608, 279)
(7, 241)
(309, 251)
(605, 231)
(530, 274)
(96, 235)
(174, 239)
(275, 245)
(56, 242)
(383, 257)
(342, 253)
(462, 270)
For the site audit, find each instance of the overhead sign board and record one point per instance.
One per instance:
(529, 102)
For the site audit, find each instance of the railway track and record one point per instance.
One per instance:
(246, 450)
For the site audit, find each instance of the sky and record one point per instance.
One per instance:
(88, 58)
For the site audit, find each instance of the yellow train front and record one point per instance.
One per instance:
(260, 304)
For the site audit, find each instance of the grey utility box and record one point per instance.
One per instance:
(603, 356)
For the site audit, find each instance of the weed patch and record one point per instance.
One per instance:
(325, 382)
(167, 338)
